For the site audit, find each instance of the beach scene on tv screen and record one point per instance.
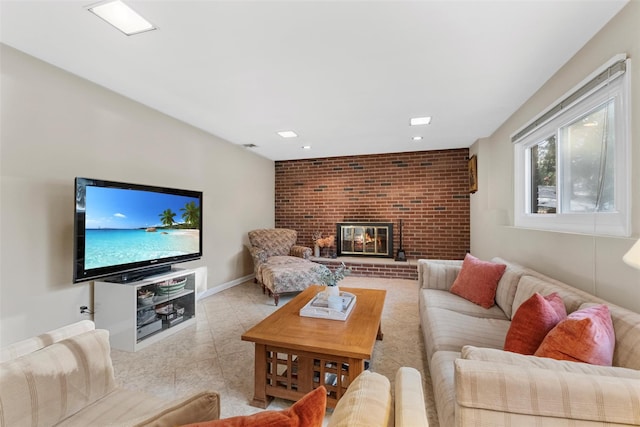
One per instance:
(124, 226)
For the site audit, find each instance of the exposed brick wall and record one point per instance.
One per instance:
(428, 190)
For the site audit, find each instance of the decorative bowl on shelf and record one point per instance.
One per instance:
(171, 286)
(146, 298)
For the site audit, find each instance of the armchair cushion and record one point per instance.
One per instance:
(274, 241)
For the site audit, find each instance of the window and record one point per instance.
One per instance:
(572, 170)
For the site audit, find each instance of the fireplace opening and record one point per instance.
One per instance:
(365, 239)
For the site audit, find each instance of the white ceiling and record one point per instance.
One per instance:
(345, 75)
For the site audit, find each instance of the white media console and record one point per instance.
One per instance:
(135, 322)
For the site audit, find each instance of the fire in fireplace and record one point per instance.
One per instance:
(365, 239)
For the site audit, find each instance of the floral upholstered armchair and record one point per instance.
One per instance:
(281, 266)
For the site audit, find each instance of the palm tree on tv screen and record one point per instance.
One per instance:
(166, 217)
(191, 214)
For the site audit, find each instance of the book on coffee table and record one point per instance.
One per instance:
(319, 306)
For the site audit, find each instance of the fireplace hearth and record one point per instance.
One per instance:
(374, 239)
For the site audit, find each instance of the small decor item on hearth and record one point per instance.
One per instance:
(316, 249)
(327, 243)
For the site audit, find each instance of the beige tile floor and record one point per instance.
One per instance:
(211, 355)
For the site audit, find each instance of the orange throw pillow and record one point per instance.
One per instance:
(306, 412)
(586, 335)
(478, 281)
(532, 321)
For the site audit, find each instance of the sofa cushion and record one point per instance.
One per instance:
(533, 320)
(367, 403)
(563, 288)
(529, 285)
(478, 281)
(48, 385)
(489, 393)
(586, 335)
(450, 331)
(626, 324)
(438, 274)
(444, 299)
(199, 407)
(306, 412)
(508, 284)
(132, 408)
(528, 361)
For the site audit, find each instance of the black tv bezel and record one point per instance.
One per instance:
(130, 271)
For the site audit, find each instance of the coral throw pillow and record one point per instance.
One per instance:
(532, 321)
(478, 281)
(306, 412)
(586, 335)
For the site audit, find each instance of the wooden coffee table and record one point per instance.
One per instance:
(295, 354)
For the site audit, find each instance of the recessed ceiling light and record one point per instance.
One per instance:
(306, 147)
(122, 17)
(416, 121)
(417, 138)
(287, 134)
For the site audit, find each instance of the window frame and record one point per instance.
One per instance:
(615, 223)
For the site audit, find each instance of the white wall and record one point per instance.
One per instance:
(56, 126)
(593, 264)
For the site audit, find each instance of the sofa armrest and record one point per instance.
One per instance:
(300, 251)
(410, 409)
(437, 274)
(367, 402)
(46, 386)
(514, 391)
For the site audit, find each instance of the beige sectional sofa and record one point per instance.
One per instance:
(475, 382)
(65, 378)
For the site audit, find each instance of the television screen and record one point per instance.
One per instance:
(125, 228)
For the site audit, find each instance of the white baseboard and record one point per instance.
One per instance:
(224, 286)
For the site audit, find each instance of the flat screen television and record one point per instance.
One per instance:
(123, 231)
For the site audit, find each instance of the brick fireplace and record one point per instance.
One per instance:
(428, 190)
